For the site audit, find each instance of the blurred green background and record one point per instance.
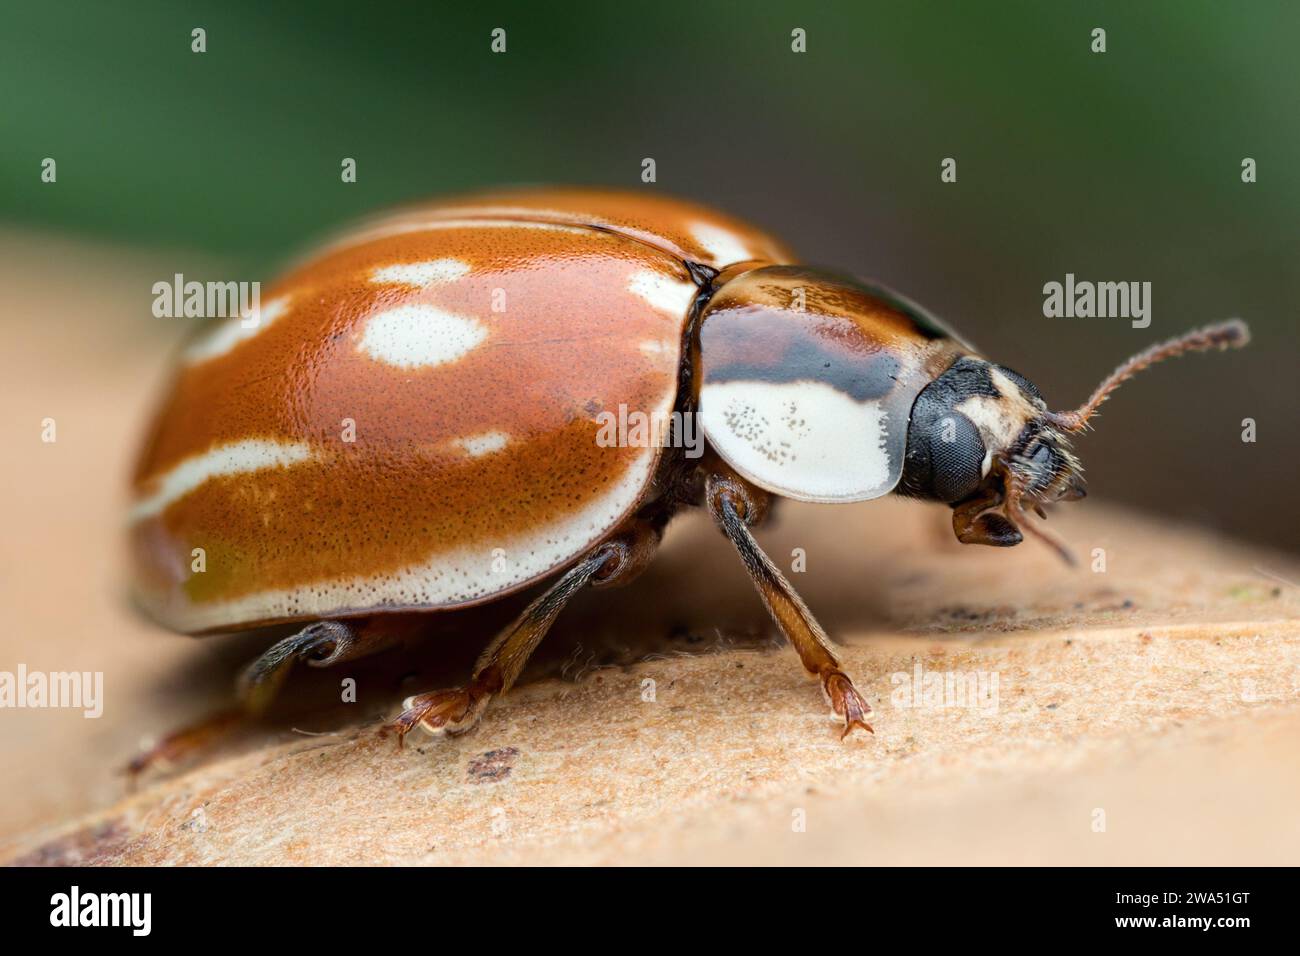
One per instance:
(1117, 166)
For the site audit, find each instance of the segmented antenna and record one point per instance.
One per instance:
(1231, 334)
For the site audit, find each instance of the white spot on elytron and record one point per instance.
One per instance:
(803, 440)
(422, 274)
(485, 444)
(231, 332)
(725, 246)
(418, 335)
(236, 458)
(665, 293)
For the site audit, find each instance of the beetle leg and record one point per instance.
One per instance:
(180, 744)
(319, 644)
(734, 505)
(455, 711)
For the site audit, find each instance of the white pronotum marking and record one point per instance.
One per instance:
(805, 440)
(665, 293)
(422, 274)
(725, 246)
(236, 458)
(418, 335)
(232, 332)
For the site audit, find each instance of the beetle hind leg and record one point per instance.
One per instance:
(735, 505)
(319, 644)
(457, 710)
(184, 743)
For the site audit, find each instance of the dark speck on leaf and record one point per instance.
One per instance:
(492, 766)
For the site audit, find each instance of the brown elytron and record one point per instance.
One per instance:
(338, 483)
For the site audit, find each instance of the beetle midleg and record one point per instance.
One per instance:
(320, 644)
(735, 504)
(457, 710)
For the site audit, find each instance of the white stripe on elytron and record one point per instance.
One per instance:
(657, 348)
(422, 274)
(665, 293)
(725, 246)
(804, 440)
(456, 577)
(485, 444)
(232, 332)
(236, 458)
(418, 335)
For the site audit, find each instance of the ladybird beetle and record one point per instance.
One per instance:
(472, 346)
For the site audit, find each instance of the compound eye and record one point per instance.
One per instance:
(956, 457)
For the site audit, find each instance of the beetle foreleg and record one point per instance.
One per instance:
(455, 711)
(735, 505)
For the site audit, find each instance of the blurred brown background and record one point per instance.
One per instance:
(1116, 166)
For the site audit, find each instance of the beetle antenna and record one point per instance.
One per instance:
(1224, 335)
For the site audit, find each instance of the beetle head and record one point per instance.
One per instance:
(982, 439)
